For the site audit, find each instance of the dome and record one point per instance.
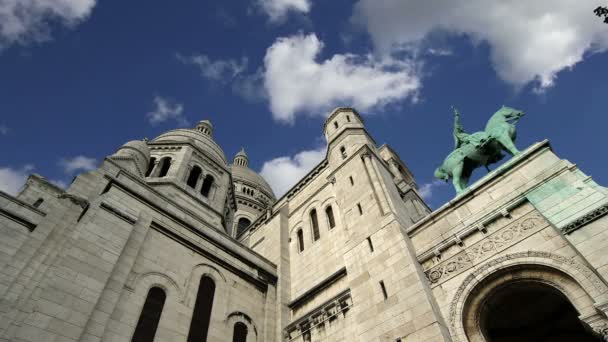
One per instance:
(248, 175)
(241, 171)
(204, 141)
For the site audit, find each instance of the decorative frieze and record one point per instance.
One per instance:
(317, 318)
(583, 220)
(492, 244)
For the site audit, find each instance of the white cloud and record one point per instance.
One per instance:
(529, 40)
(4, 130)
(78, 163)
(426, 190)
(277, 10)
(23, 21)
(11, 180)
(296, 82)
(219, 70)
(167, 110)
(283, 172)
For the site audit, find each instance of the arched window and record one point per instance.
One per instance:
(150, 166)
(240, 332)
(165, 164)
(150, 316)
(38, 202)
(207, 183)
(199, 326)
(343, 152)
(242, 225)
(329, 212)
(300, 240)
(195, 173)
(315, 225)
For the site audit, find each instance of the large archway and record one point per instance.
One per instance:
(526, 311)
(524, 302)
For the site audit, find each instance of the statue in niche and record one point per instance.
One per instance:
(478, 149)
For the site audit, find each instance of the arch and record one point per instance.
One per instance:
(329, 214)
(164, 164)
(201, 314)
(195, 174)
(140, 285)
(574, 280)
(235, 318)
(151, 279)
(239, 333)
(151, 165)
(314, 225)
(199, 270)
(242, 224)
(300, 240)
(149, 318)
(343, 152)
(38, 202)
(207, 183)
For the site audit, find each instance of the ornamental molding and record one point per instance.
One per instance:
(490, 245)
(317, 317)
(585, 219)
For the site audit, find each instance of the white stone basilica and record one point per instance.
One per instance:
(167, 241)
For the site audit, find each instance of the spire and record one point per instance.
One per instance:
(241, 159)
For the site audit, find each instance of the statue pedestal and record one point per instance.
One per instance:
(535, 217)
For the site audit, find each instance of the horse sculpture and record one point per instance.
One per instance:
(480, 148)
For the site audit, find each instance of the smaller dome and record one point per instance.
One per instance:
(136, 149)
(205, 127)
(242, 172)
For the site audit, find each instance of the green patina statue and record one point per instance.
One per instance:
(480, 148)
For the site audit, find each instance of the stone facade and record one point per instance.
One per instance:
(350, 253)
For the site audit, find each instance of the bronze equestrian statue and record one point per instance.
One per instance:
(480, 148)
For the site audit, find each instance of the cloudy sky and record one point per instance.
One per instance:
(80, 77)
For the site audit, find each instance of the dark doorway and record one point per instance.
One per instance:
(240, 332)
(531, 311)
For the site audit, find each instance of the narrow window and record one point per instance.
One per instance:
(370, 244)
(383, 290)
(315, 225)
(352, 181)
(242, 225)
(207, 183)
(240, 332)
(165, 164)
(38, 202)
(150, 316)
(202, 311)
(150, 166)
(343, 151)
(300, 240)
(360, 209)
(348, 118)
(336, 124)
(330, 217)
(195, 173)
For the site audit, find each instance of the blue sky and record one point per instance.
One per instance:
(78, 78)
